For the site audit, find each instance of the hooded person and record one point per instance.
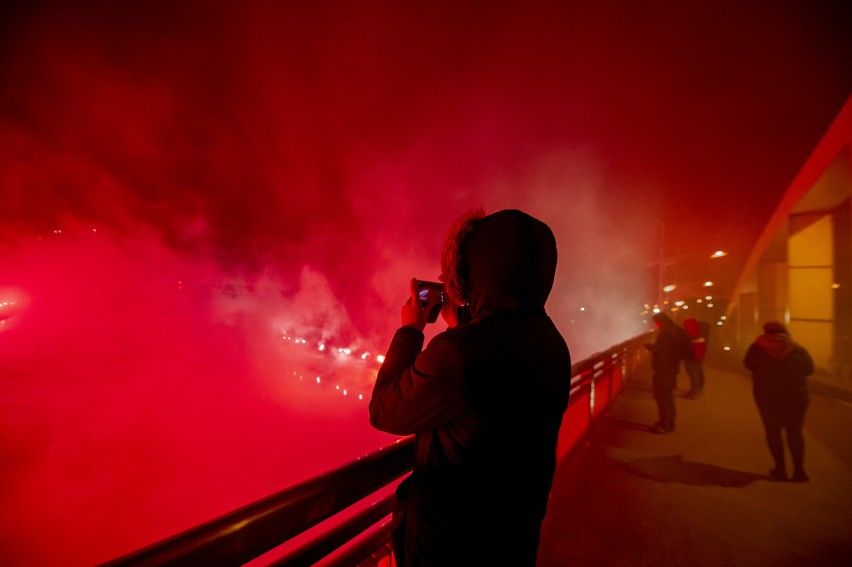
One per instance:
(484, 399)
(779, 369)
(670, 347)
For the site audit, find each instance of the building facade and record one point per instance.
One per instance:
(800, 270)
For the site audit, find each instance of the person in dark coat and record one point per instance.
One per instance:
(484, 400)
(670, 347)
(779, 369)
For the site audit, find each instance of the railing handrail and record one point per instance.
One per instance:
(248, 532)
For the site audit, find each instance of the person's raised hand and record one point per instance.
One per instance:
(413, 313)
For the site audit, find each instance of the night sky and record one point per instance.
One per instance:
(182, 182)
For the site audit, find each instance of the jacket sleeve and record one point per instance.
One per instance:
(804, 364)
(751, 358)
(416, 391)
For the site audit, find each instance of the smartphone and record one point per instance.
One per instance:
(431, 293)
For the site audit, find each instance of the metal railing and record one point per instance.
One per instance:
(363, 538)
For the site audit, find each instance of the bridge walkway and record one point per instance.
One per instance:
(701, 496)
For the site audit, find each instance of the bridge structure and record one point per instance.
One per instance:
(623, 495)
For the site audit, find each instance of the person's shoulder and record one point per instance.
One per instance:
(801, 351)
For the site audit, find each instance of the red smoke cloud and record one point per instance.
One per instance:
(186, 183)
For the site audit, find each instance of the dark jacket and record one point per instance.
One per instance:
(669, 348)
(485, 401)
(779, 369)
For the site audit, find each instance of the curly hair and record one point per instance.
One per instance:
(452, 268)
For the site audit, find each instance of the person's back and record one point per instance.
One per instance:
(670, 347)
(779, 367)
(485, 400)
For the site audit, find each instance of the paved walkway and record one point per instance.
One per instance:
(701, 495)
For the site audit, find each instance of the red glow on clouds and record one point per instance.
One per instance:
(183, 185)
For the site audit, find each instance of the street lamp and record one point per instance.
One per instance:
(667, 261)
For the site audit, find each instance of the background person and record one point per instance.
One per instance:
(484, 400)
(779, 369)
(694, 365)
(670, 347)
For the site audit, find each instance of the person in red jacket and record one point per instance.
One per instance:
(484, 400)
(694, 365)
(779, 369)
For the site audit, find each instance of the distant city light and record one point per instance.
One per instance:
(708, 284)
(835, 286)
(669, 288)
(679, 303)
(380, 358)
(718, 254)
(656, 309)
(708, 297)
(726, 348)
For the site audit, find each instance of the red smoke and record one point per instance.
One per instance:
(185, 183)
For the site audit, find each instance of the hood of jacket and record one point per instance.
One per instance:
(776, 345)
(507, 261)
(692, 327)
